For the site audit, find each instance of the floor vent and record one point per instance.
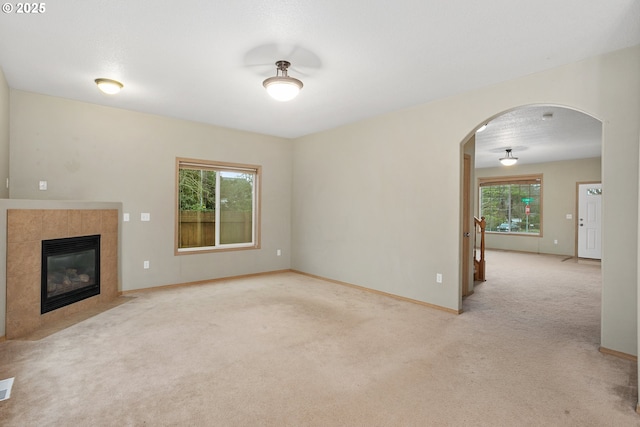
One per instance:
(5, 389)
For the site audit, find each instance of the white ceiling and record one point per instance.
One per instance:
(533, 138)
(204, 60)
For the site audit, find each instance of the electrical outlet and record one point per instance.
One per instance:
(555, 242)
(145, 217)
(146, 265)
(278, 252)
(438, 278)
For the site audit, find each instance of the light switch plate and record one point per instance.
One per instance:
(125, 217)
(42, 185)
(145, 217)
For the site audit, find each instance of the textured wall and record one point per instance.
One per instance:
(94, 153)
(377, 203)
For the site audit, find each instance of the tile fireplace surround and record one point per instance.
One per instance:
(26, 228)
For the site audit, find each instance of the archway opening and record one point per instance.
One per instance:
(561, 148)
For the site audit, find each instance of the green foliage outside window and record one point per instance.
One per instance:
(511, 206)
(236, 191)
(197, 190)
(217, 205)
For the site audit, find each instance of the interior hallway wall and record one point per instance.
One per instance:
(377, 203)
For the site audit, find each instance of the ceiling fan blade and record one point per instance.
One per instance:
(302, 60)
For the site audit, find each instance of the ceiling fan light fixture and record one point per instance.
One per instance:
(508, 159)
(108, 86)
(282, 87)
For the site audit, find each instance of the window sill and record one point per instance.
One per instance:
(211, 249)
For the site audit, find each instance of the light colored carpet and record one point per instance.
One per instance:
(289, 350)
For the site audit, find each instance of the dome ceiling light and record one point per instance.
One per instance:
(108, 86)
(508, 159)
(282, 87)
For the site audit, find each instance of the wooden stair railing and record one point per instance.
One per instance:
(479, 264)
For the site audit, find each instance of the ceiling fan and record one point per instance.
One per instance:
(302, 61)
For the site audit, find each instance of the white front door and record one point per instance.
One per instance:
(589, 221)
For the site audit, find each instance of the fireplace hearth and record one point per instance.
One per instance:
(70, 271)
(28, 225)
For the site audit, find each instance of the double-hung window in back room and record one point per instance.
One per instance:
(217, 206)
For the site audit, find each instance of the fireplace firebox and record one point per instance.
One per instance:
(70, 271)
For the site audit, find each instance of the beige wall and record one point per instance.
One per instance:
(377, 203)
(558, 199)
(4, 136)
(94, 153)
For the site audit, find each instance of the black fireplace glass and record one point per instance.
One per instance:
(70, 271)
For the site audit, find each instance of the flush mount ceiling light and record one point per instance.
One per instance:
(508, 159)
(108, 86)
(483, 127)
(547, 116)
(282, 87)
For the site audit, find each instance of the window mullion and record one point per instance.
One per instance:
(217, 210)
(253, 208)
(510, 187)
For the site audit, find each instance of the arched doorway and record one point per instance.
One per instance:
(561, 143)
(535, 280)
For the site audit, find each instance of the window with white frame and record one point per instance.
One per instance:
(217, 206)
(512, 204)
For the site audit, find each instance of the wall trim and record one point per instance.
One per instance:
(619, 354)
(386, 294)
(202, 282)
(266, 273)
